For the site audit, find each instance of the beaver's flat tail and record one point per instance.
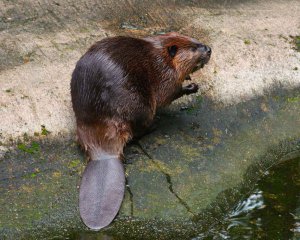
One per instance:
(101, 192)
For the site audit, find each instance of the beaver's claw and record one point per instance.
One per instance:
(191, 88)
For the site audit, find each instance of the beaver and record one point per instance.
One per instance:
(116, 88)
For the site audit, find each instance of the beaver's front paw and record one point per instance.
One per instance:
(191, 88)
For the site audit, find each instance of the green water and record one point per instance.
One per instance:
(270, 211)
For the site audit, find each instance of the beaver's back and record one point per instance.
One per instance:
(113, 80)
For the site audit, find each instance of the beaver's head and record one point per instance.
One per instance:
(185, 54)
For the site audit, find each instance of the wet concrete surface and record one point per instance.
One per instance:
(181, 178)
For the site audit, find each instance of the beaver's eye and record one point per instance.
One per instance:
(172, 50)
(194, 49)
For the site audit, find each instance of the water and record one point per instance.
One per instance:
(270, 211)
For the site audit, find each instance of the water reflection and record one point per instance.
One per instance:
(239, 216)
(271, 211)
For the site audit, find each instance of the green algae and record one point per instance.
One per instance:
(33, 148)
(293, 99)
(74, 163)
(296, 42)
(44, 131)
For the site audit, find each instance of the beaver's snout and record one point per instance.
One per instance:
(205, 50)
(205, 53)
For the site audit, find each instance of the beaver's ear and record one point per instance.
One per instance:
(172, 50)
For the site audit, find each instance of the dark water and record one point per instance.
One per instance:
(270, 211)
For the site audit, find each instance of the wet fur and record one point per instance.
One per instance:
(116, 88)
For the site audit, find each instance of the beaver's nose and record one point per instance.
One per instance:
(204, 49)
(208, 50)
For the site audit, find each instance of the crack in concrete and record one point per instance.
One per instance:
(130, 196)
(169, 180)
(182, 202)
